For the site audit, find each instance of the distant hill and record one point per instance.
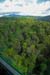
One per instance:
(46, 18)
(14, 14)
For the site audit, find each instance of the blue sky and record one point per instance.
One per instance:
(41, 1)
(25, 7)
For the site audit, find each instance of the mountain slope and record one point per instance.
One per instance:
(14, 14)
(46, 18)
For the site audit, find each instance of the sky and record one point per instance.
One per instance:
(25, 7)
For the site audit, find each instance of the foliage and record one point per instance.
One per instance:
(27, 43)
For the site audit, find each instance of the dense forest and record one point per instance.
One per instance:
(25, 45)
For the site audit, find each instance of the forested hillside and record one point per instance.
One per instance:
(25, 45)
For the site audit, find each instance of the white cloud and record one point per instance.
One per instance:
(25, 7)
